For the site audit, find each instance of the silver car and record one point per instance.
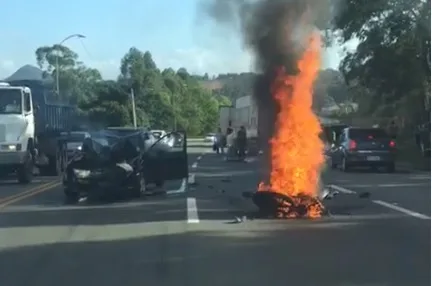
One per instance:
(210, 137)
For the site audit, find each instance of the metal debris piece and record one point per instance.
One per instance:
(277, 205)
(327, 194)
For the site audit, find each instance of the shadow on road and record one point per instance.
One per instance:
(307, 255)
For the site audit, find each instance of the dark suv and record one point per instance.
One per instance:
(364, 147)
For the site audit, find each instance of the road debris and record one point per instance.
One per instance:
(277, 205)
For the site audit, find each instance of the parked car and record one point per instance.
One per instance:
(210, 137)
(363, 147)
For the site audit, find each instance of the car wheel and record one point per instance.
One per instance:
(344, 166)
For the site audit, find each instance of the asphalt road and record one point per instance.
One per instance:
(191, 236)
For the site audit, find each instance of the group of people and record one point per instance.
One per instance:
(234, 142)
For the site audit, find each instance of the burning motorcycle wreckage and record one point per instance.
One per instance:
(109, 166)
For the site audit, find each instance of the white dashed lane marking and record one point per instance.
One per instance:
(192, 210)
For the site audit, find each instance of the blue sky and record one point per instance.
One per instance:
(170, 29)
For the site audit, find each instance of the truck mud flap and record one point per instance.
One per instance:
(175, 160)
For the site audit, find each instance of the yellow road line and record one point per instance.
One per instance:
(35, 188)
(29, 193)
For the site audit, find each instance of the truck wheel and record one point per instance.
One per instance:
(25, 171)
(55, 164)
(64, 159)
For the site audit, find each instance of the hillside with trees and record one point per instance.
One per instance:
(165, 99)
(330, 87)
(389, 71)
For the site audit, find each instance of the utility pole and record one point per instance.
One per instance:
(175, 117)
(133, 108)
(57, 67)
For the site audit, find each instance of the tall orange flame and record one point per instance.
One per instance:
(296, 153)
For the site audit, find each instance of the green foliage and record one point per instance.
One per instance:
(392, 62)
(164, 100)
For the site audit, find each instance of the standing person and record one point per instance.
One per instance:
(393, 129)
(241, 143)
(218, 144)
(231, 151)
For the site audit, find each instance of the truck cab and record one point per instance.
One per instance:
(17, 130)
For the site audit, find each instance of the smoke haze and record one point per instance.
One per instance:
(276, 32)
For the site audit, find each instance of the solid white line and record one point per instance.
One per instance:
(389, 185)
(402, 210)
(194, 165)
(192, 210)
(341, 189)
(384, 204)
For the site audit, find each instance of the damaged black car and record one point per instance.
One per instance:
(110, 165)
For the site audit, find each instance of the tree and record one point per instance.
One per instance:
(392, 60)
(162, 99)
(76, 80)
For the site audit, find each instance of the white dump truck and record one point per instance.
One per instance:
(30, 130)
(243, 113)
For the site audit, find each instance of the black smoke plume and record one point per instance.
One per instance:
(276, 32)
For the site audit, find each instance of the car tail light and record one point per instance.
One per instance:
(392, 144)
(352, 145)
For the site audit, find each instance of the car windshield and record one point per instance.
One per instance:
(107, 141)
(10, 101)
(122, 132)
(365, 134)
(76, 137)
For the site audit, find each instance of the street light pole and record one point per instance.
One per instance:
(57, 59)
(133, 108)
